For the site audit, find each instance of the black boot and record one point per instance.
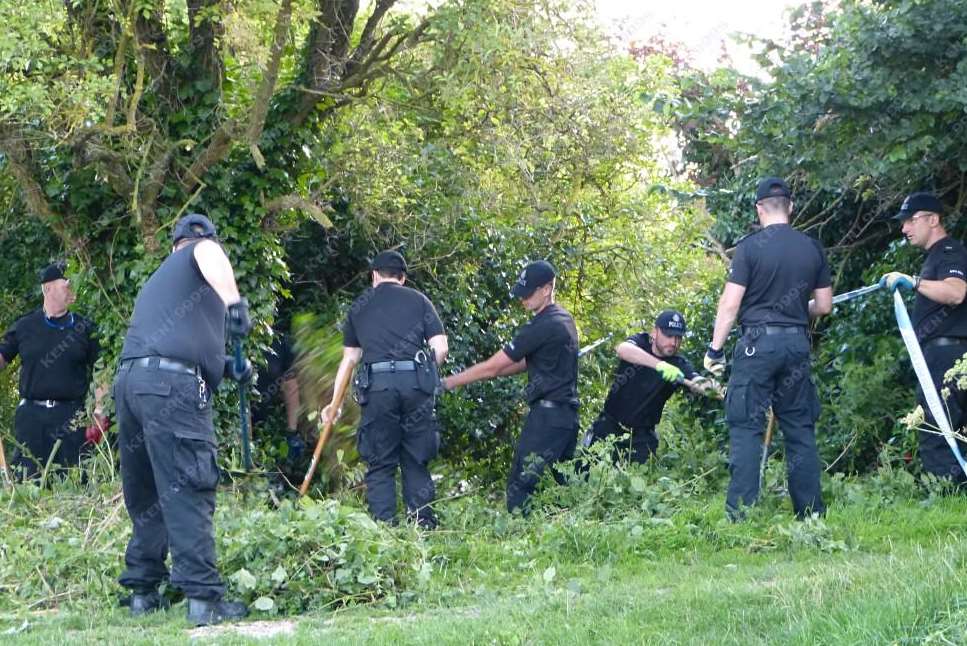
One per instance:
(203, 612)
(141, 603)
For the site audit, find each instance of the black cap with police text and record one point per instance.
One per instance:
(916, 202)
(535, 274)
(53, 271)
(388, 260)
(772, 187)
(193, 225)
(671, 323)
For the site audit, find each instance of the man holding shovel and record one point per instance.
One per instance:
(939, 320)
(649, 373)
(387, 330)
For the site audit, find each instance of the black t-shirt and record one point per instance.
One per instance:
(57, 355)
(638, 393)
(390, 322)
(549, 342)
(947, 258)
(779, 268)
(178, 315)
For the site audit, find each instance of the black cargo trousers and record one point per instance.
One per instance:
(549, 436)
(37, 428)
(772, 370)
(935, 453)
(398, 430)
(169, 476)
(641, 444)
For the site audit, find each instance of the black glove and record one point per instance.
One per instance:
(242, 376)
(296, 446)
(238, 324)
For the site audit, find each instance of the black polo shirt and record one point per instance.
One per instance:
(779, 268)
(390, 322)
(549, 342)
(57, 355)
(946, 258)
(638, 393)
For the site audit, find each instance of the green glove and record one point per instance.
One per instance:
(669, 372)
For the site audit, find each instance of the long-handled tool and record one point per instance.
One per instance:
(7, 478)
(316, 455)
(856, 293)
(243, 408)
(766, 441)
(923, 376)
(591, 346)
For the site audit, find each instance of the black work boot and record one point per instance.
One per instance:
(141, 603)
(204, 612)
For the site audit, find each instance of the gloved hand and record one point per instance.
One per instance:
(669, 373)
(296, 446)
(238, 324)
(94, 433)
(242, 376)
(895, 280)
(714, 361)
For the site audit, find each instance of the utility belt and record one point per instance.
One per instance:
(167, 364)
(423, 367)
(50, 403)
(759, 330)
(162, 363)
(626, 428)
(547, 403)
(940, 341)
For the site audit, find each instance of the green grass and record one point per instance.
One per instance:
(882, 568)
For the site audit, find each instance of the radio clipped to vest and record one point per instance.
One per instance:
(427, 372)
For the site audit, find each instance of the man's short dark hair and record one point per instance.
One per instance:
(390, 273)
(776, 204)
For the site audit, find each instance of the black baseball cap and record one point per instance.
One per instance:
(193, 225)
(921, 201)
(535, 274)
(671, 323)
(53, 271)
(772, 187)
(389, 260)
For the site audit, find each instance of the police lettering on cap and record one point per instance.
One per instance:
(535, 274)
(193, 225)
(772, 187)
(389, 261)
(916, 202)
(53, 271)
(671, 323)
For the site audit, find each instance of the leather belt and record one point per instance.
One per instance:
(547, 403)
(757, 330)
(392, 366)
(162, 363)
(48, 403)
(944, 340)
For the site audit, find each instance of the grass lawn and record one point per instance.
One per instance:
(875, 571)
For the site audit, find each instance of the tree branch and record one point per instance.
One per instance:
(21, 167)
(264, 94)
(218, 148)
(203, 32)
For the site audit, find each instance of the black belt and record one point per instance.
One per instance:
(392, 366)
(49, 403)
(944, 340)
(547, 403)
(757, 330)
(162, 363)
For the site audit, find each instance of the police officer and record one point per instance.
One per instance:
(278, 380)
(172, 361)
(774, 272)
(547, 348)
(58, 349)
(939, 319)
(388, 329)
(649, 372)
